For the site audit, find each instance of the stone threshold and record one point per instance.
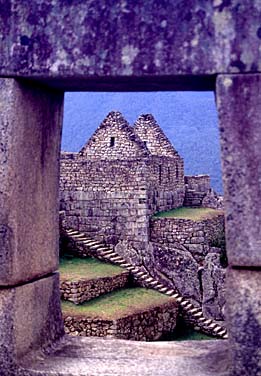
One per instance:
(79, 356)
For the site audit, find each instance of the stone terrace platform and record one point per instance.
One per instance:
(82, 279)
(132, 313)
(79, 356)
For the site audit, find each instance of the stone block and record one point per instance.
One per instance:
(176, 264)
(30, 318)
(239, 103)
(30, 124)
(243, 316)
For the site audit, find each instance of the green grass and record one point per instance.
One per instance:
(75, 268)
(185, 332)
(116, 304)
(195, 214)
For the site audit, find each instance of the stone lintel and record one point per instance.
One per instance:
(69, 44)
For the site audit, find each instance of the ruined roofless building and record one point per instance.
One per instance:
(120, 178)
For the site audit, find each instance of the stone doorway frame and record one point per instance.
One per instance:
(36, 69)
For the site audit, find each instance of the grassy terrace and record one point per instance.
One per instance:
(195, 214)
(116, 304)
(86, 268)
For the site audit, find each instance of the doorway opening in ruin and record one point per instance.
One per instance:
(104, 195)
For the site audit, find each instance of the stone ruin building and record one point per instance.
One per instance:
(47, 49)
(113, 186)
(122, 176)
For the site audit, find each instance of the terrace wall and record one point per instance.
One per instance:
(83, 290)
(196, 236)
(147, 325)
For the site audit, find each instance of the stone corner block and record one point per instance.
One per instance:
(243, 316)
(30, 318)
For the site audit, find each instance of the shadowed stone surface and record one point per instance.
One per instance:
(105, 357)
(243, 311)
(30, 317)
(174, 266)
(30, 121)
(239, 103)
(75, 40)
(213, 287)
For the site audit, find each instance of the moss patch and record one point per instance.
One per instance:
(195, 214)
(75, 268)
(117, 304)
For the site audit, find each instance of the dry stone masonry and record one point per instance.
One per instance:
(86, 289)
(148, 325)
(110, 188)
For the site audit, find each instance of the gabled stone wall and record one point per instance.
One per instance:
(114, 139)
(153, 137)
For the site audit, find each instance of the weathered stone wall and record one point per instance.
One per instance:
(147, 325)
(188, 254)
(197, 187)
(112, 200)
(116, 182)
(166, 189)
(104, 199)
(196, 236)
(83, 290)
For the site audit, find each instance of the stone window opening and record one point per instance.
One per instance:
(112, 142)
(169, 175)
(177, 172)
(160, 174)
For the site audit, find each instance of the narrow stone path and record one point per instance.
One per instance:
(105, 253)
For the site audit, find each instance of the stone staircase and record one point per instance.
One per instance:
(87, 246)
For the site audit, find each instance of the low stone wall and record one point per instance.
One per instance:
(198, 193)
(196, 236)
(84, 290)
(147, 325)
(87, 327)
(197, 187)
